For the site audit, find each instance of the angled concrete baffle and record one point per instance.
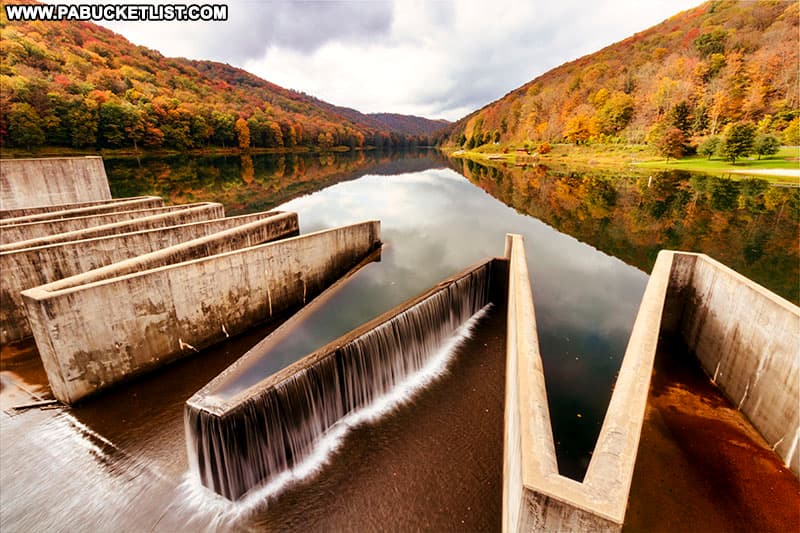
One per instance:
(26, 231)
(238, 441)
(29, 267)
(80, 210)
(747, 339)
(45, 209)
(49, 181)
(97, 328)
(184, 215)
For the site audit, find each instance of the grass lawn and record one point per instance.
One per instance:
(643, 157)
(787, 158)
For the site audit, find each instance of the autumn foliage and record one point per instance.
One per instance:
(79, 85)
(714, 65)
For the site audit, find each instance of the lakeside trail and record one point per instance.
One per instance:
(784, 172)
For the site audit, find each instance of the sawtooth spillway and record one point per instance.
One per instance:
(110, 290)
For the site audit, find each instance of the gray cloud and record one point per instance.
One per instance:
(302, 26)
(425, 57)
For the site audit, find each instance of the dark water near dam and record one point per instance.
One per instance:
(435, 461)
(591, 237)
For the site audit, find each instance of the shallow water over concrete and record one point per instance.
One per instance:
(434, 463)
(701, 466)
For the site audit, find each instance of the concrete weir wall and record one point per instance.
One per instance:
(125, 204)
(185, 215)
(26, 231)
(58, 180)
(30, 211)
(103, 326)
(240, 439)
(31, 267)
(748, 341)
(535, 496)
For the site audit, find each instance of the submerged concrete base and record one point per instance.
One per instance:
(106, 325)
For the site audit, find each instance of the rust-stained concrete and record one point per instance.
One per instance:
(31, 267)
(49, 181)
(100, 327)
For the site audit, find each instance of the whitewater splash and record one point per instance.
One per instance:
(284, 431)
(218, 512)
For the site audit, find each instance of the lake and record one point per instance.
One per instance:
(591, 237)
(434, 462)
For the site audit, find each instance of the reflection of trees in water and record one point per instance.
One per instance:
(748, 224)
(251, 183)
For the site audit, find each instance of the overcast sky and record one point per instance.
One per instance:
(438, 59)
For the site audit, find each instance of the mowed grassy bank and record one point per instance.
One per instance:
(642, 157)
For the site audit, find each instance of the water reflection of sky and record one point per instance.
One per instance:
(435, 223)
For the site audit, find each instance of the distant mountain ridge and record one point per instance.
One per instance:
(719, 63)
(80, 85)
(403, 124)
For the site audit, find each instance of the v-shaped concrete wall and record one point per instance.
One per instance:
(747, 339)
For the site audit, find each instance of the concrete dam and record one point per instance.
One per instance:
(119, 288)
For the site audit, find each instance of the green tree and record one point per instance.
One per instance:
(738, 141)
(25, 126)
(83, 120)
(767, 145)
(113, 122)
(711, 43)
(680, 117)
(200, 130)
(709, 147)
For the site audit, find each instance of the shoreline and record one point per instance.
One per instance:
(783, 169)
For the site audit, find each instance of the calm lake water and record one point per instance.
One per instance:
(118, 460)
(590, 239)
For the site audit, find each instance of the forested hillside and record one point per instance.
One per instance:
(79, 85)
(689, 77)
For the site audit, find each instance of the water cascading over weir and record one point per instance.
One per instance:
(247, 439)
